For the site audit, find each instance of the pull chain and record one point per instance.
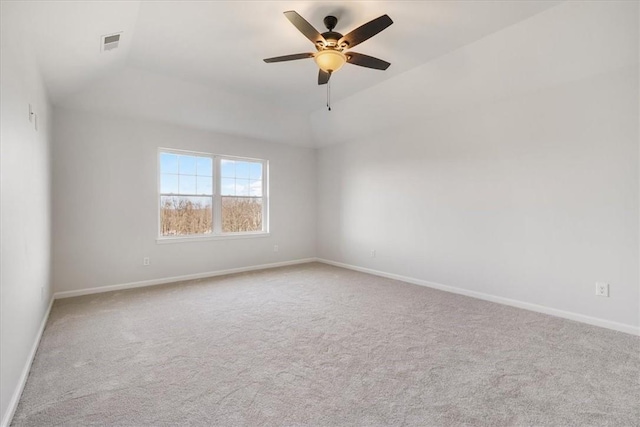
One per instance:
(329, 95)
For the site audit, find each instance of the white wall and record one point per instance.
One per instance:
(156, 97)
(514, 181)
(105, 202)
(25, 290)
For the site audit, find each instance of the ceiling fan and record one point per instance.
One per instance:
(332, 47)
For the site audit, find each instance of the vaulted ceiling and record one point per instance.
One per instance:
(199, 64)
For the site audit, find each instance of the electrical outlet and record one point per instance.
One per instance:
(145, 261)
(373, 253)
(275, 248)
(602, 289)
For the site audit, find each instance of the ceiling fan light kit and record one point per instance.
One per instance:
(331, 46)
(330, 60)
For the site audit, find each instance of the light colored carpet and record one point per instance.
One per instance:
(319, 345)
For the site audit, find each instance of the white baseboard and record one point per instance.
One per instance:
(162, 281)
(620, 327)
(13, 403)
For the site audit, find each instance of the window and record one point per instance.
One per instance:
(209, 195)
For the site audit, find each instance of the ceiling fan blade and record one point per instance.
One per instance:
(304, 27)
(366, 61)
(366, 31)
(323, 77)
(289, 57)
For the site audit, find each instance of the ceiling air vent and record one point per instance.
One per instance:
(110, 42)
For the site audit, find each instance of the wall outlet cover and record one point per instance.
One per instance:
(602, 289)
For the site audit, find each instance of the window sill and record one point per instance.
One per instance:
(230, 236)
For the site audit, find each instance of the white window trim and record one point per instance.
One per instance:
(216, 198)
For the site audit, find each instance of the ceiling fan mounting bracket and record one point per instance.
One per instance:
(330, 22)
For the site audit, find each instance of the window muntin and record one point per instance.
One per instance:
(207, 195)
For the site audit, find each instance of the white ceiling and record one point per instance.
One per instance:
(216, 49)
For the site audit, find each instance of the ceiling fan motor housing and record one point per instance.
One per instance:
(332, 39)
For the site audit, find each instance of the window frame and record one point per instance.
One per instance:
(216, 199)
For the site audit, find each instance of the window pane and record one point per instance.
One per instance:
(204, 185)
(242, 169)
(241, 214)
(205, 166)
(181, 216)
(228, 168)
(255, 170)
(242, 187)
(256, 188)
(187, 184)
(187, 165)
(228, 187)
(168, 163)
(169, 183)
